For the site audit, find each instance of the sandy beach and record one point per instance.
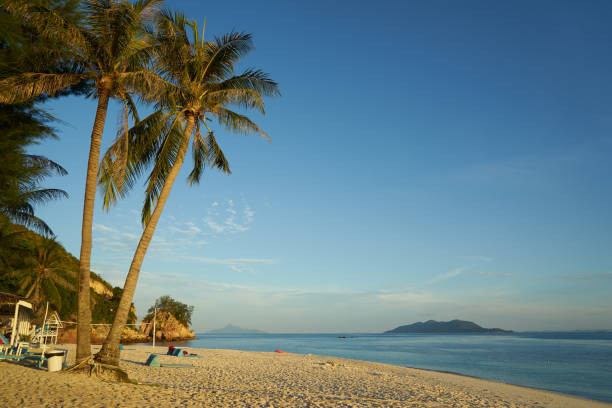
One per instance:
(229, 378)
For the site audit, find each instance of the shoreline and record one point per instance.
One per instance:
(473, 377)
(228, 378)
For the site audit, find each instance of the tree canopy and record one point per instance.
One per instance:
(180, 311)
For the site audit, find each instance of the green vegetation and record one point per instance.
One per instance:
(107, 51)
(180, 311)
(123, 50)
(25, 123)
(30, 262)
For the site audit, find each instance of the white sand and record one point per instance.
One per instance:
(228, 378)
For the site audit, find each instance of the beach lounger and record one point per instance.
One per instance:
(179, 352)
(19, 353)
(153, 361)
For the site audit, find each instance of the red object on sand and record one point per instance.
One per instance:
(279, 351)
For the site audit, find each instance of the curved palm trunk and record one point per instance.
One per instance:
(83, 302)
(110, 353)
(34, 285)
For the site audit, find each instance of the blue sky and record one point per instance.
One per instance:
(430, 160)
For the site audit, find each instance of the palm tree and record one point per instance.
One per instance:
(200, 86)
(45, 259)
(20, 176)
(109, 51)
(11, 246)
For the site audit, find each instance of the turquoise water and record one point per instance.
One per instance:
(570, 363)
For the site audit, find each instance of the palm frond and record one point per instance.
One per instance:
(45, 163)
(43, 195)
(224, 53)
(147, 84)
(165, 158)
(200, 152)
(130, 155)
(27, 86)
(47, 22)
(216, 156)
(236, 122)
(28, 219)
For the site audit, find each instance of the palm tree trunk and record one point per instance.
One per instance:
(110, 352)
(34, 285)
(83, 302)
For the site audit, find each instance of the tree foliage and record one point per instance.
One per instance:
(25, 123)
(180, 311)
(199, 84)
(22, 252)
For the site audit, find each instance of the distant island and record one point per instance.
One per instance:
(230, 329)
(454, 326)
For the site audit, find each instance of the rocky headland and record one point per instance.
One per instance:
(167, 328)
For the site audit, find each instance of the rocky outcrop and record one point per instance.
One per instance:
(100, 288)
(167, 328)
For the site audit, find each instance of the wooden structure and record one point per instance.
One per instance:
(16, 317)
(48, 333)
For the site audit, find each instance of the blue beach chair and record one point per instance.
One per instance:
(153, 361)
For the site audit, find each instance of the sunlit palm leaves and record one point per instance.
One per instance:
(109, 50)
(200, 85)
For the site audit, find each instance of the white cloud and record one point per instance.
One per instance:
(248, 213)
(103, 228)
(234, 221)
(187, 228)
(130, 236)
(445, 276)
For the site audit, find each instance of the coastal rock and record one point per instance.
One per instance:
(100, 288)
(167, 328)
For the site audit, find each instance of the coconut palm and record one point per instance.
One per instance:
(11, 246)
(109, 51)
(20, 176)
(45, 259)
(200, 86)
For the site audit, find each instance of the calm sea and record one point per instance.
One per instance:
(572, 363)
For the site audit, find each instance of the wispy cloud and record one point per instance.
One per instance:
(240, 265)
(298, 309)
(103, 229)
(185, 228)
(445, 276)
(178, 238)
(227, 218)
